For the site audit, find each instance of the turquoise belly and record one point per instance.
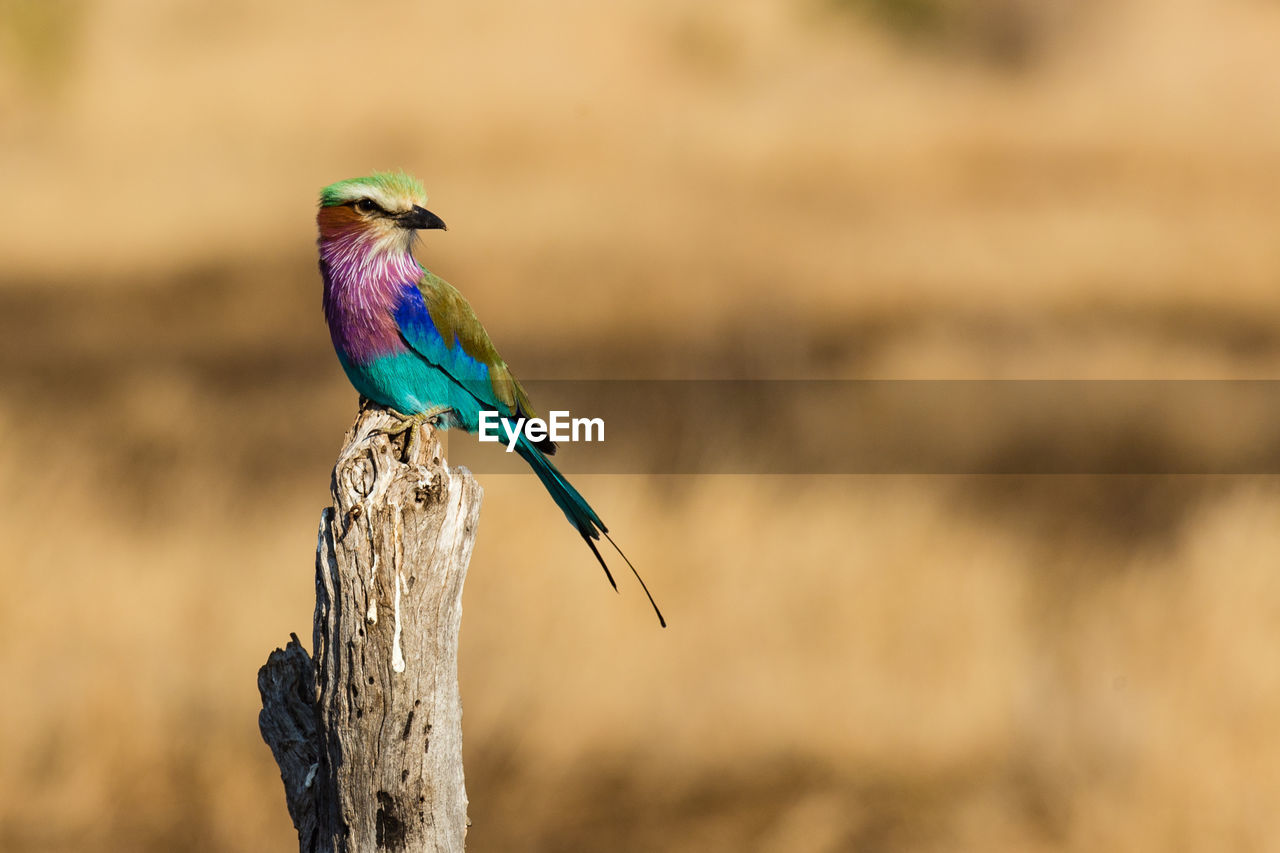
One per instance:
(410, 385)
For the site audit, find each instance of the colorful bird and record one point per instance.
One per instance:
(409, 341)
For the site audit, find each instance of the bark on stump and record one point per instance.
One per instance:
(368, 736)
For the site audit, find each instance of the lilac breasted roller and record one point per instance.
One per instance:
(409, 341)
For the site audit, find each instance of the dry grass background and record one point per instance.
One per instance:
(649, 189)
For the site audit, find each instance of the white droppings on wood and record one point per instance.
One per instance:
(372, 615)
(311, 775)
(397, 538)
(397, 657)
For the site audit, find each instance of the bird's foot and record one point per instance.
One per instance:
(412, 424)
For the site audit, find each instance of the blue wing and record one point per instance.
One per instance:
(440, 327)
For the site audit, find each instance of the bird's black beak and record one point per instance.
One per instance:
(420, 219)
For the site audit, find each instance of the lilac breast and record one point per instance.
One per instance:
(362, 289)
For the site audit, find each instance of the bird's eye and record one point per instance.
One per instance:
(364, 205)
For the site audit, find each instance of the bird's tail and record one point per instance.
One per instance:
(579, 512)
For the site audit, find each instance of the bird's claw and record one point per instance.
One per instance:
(412, 424)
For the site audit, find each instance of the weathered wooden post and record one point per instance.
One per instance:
(368, 735)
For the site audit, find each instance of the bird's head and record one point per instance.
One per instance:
(384, 210)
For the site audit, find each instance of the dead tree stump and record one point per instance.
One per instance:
(368, 736)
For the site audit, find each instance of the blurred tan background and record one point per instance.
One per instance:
(657, 189)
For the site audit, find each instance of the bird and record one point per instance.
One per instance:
(410, 342)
